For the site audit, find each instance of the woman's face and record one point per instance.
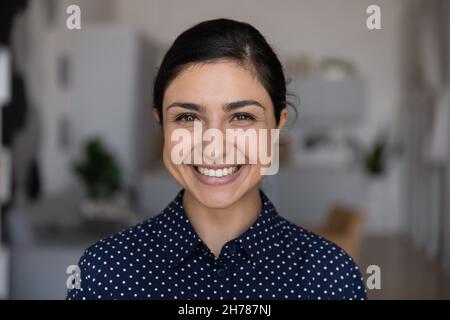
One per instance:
(221, 95)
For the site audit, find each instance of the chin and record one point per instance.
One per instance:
(215, 200)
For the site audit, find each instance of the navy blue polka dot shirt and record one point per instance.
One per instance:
(164, 258)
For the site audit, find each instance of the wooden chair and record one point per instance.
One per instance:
(343, 226)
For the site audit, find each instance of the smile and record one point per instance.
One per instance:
(217, 172)
(217, 175)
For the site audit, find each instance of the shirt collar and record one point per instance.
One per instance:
(180, 239)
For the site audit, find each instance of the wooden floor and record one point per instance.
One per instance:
(406, 272)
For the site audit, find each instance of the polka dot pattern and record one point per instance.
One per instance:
(163, 258)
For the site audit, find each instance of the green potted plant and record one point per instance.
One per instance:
(375, 161)
(375, 157)
(98, 171)
(101, 177)
(372, 159)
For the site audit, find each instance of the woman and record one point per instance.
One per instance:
(221, 237)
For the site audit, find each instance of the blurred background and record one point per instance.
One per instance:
(366, 164)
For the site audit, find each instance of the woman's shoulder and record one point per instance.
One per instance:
(307, 239)
(136, 236)
(323, 264)
(116, 255)
(313, 246)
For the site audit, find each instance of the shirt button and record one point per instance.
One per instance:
(221, 272)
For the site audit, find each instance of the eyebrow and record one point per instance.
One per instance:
(187, 105)
(226, 107)
(239, 104)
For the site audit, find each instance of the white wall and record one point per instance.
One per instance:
(320, 28)
(446, 236)
(38, 44)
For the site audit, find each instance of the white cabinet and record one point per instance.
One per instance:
(97, 85)
(105, 95)
(5, 88)
(330, 101)
(5, 171)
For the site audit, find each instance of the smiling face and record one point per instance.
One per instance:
(221, 95)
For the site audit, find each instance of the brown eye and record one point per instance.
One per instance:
(187, 117)
(242, 116)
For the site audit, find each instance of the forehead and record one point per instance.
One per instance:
(215, 83)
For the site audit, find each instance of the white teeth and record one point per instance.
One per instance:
(217, 173)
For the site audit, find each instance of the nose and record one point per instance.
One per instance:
(214, 145)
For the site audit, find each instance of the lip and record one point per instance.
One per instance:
(218, 180)
(217, 166)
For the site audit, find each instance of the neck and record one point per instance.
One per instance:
(217, 226)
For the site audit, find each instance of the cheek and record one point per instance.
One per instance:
(168, 145)
(257, 148)
(177, 148)
(166, 152)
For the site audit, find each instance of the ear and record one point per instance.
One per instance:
(157, 115)
(283, 118)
